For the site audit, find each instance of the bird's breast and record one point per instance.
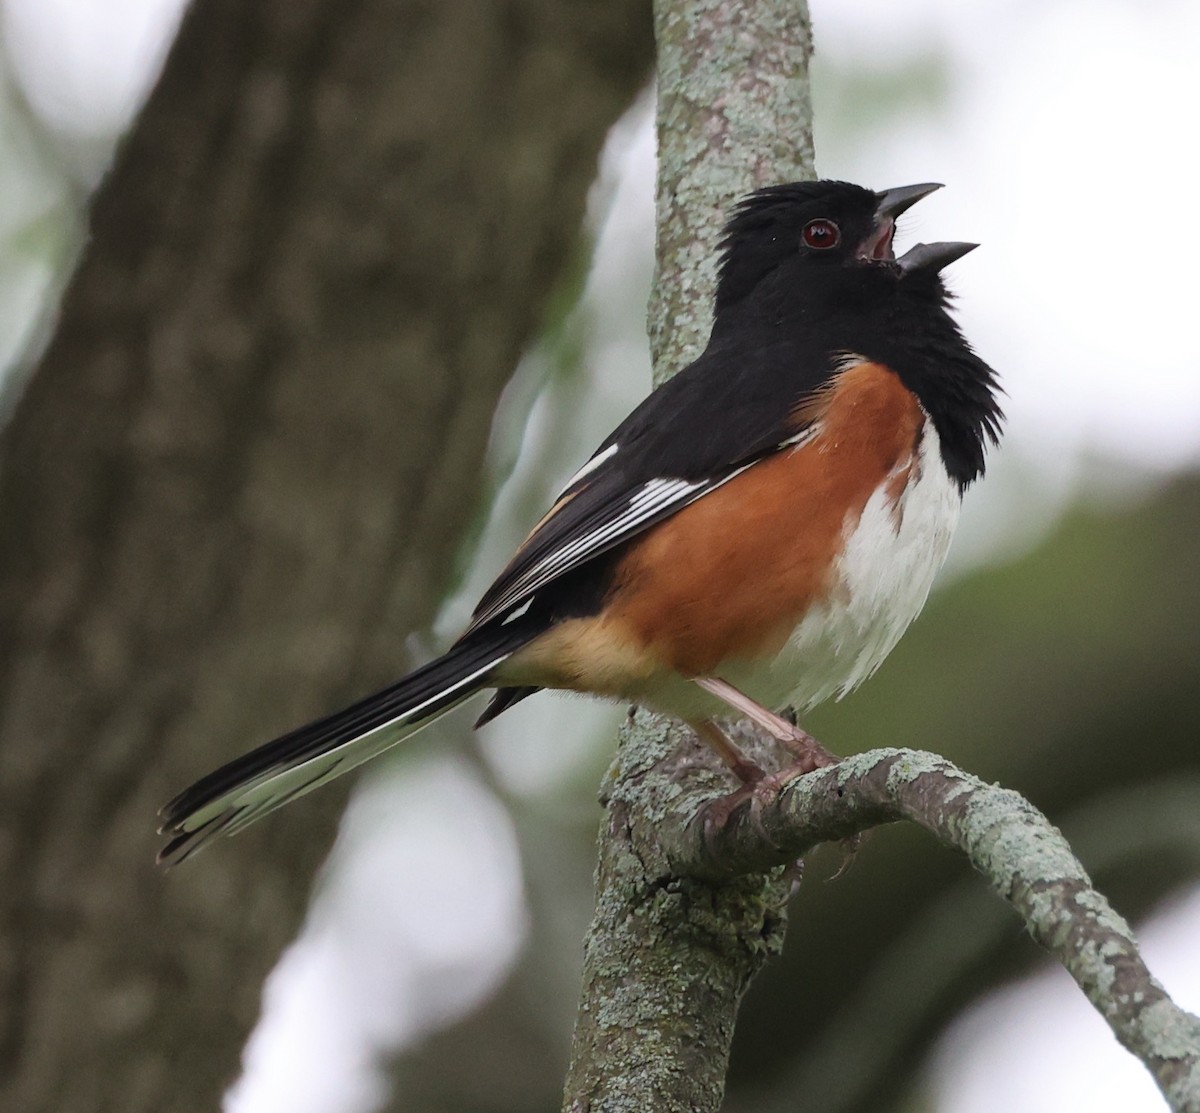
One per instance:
(880, 579)
(839, 534)
(792, 581)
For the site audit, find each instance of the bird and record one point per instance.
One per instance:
(755, 536)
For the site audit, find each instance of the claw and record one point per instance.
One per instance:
(849, 848)
(755, 795)
(810, 755)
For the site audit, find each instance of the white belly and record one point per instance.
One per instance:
(892, 553)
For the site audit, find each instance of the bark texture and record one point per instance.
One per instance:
(1023, 858)
(667, 960)
(238, 478)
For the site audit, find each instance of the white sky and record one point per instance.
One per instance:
(84, 65)
(1067, 141)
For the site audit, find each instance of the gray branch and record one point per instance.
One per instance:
(667, 960)
(688, 909)
(671, 868)
(1023, 857)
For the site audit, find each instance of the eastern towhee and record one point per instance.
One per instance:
(758, 533)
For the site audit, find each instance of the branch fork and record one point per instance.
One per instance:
(675, 823)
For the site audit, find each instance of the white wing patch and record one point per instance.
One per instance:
(516, 613)
(803, 437)
(651, 502)
(590, 467)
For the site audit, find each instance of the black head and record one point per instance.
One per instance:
(810, 265)
(815, 228)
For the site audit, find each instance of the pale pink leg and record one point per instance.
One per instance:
(809, 753)
(757, 788)
(745, 770)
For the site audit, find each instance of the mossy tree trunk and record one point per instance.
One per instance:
(238, 478)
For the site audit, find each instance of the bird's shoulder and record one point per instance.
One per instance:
(737, 403)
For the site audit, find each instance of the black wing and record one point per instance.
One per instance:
(697, 431)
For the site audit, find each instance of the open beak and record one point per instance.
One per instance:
(932, 256)
(892, 202)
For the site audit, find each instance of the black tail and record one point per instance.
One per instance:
(249, 787)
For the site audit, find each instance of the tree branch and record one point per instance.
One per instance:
(664, 813)
(667, 960)
(687, 910)
(1023, 857)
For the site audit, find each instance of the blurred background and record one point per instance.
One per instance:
(270, 444)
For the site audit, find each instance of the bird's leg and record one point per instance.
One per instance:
(809, 753)
(758, 788)
(757, 785)
(743, 768)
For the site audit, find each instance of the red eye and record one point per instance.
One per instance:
(821, 235)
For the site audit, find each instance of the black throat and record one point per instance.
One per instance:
(922, 343)
(900, 320)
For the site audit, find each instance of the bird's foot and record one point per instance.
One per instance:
(810, 755)
(755, 795)
(760, 790)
